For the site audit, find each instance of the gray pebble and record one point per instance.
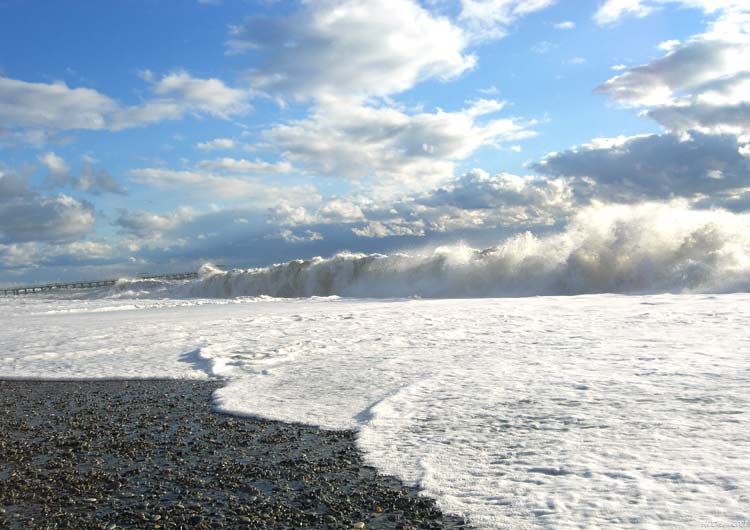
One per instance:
(130, 454)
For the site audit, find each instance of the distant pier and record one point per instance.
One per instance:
(92, 284)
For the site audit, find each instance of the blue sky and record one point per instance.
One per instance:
(155, 136)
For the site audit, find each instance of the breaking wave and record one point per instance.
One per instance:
(604, 249)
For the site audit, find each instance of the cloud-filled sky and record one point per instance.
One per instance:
(150, 137)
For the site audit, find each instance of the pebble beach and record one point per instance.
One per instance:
(153, 454)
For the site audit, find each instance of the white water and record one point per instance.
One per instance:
(595, 411)
(614, 249)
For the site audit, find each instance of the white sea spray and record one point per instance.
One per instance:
(649, 248)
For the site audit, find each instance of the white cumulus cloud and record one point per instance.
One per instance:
(351, 48)
(38, 110)
(387, 147)
(612, 11)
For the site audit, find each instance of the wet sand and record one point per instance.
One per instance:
(153, 454)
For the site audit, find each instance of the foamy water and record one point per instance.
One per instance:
(586, 411)
(591, 411)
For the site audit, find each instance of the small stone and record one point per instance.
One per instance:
(378, 509)
(358, 526)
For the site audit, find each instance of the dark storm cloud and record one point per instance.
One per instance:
(654, 166)
(26, 215)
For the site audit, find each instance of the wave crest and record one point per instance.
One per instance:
(604, 249)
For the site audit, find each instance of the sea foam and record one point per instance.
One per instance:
(575, 412)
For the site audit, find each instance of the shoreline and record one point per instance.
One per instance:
(154, 454)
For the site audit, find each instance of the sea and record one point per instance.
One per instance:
(561, 382)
